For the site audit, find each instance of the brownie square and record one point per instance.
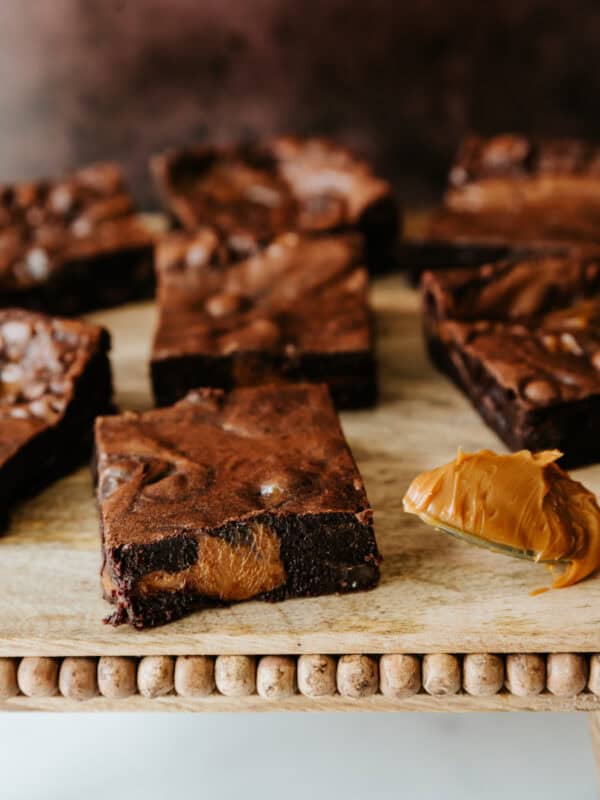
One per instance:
(512, 195)
(54, 379)
(227, 497)
(296, 311)
(536, 384)
(253, 193)
(73, 244)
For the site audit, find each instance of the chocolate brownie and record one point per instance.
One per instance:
(227, 497)
(512, 195)
(253, 193)
(536, 384)
(54, 380)
(73, 244)
(296, 311)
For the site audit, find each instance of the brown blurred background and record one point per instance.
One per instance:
(402, 82)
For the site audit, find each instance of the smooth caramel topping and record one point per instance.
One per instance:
(523, 500)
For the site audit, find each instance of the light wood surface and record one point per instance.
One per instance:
(254, 702)
(436, 594)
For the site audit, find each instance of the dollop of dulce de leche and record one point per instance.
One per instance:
(523, 500)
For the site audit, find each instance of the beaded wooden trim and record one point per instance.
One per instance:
(279, 678)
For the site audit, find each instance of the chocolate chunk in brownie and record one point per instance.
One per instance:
(296, 311)
(251, 194)
(536, 384)
(54, 380)
(73, 244)
(227, 497)
(511, 195)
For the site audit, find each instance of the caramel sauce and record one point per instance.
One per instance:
(524, 501)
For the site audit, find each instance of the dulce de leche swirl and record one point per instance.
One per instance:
(524, 500)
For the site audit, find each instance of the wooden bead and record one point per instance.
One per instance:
(567, 674)
(525, 674)
(235, 676)
(483, 674)
(194, 676)
(77, 678)
(155, 675)
(117, 677)
(357, 676)
(316, 675)
(441, 674)
(594, 678)
(38, 676)
(400, 675)
(8, 678)
(276, 677)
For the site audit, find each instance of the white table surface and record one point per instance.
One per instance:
(295, 756)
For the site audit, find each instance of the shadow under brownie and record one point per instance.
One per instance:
(296, 311)
(227, 497)
(252, 193)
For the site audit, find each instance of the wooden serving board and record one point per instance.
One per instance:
(436, 594)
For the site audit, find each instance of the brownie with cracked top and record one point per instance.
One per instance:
(512, 195)
(54, 379)
(226, 497)
(253, 193)
(72, 244)
(295, 311)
